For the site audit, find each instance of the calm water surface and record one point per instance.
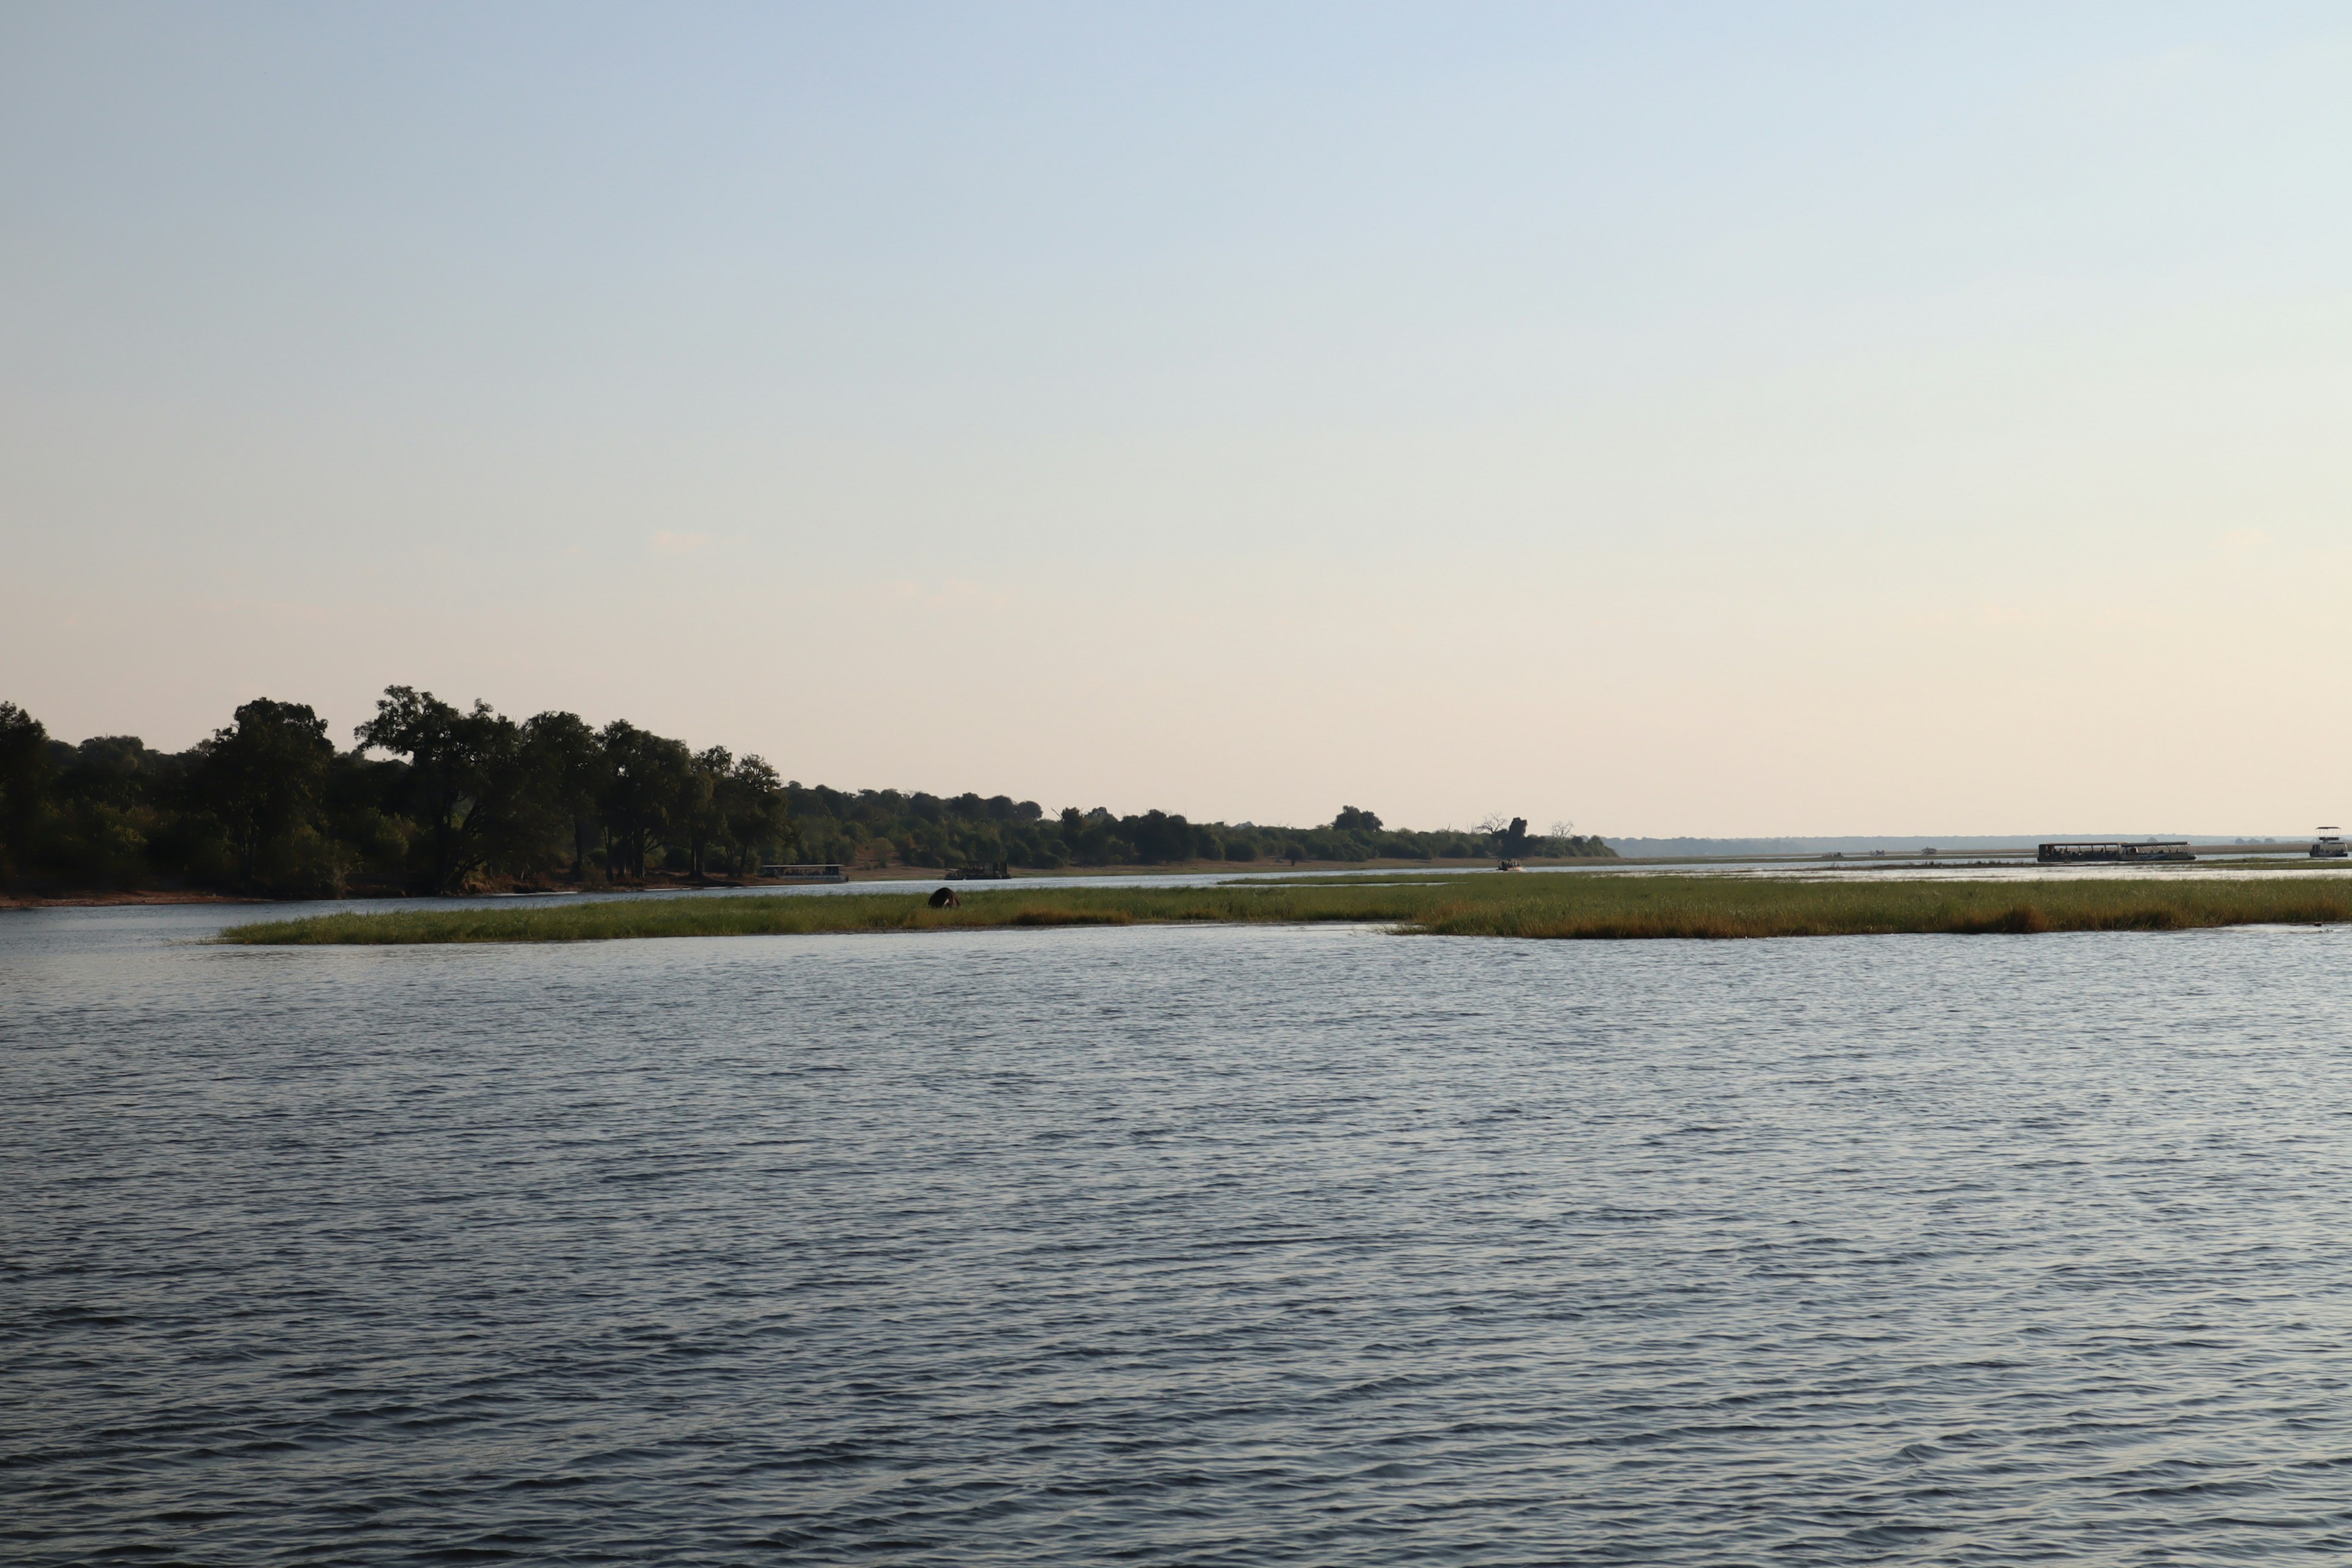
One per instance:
(1204, 1246)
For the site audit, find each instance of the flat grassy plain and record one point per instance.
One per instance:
(1560, 906)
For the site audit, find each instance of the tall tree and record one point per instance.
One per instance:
(25, 770)
(645, 779)
(264, 778)
(700, 808)
(753, 810)
(465, 777)
(567, 769)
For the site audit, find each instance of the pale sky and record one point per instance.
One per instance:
(1726, 419)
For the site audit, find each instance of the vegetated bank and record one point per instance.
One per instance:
(433, 798)
(1538, 905)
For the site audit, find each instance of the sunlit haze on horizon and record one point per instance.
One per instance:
(1677, 420)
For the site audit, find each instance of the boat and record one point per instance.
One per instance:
(2115, 852)
(2330, 846)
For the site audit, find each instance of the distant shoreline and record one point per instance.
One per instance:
(104, 898)
(125, 898)
(2211, 857)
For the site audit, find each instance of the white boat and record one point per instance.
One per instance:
(2329, 846)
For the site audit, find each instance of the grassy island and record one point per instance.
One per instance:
(1535, 905)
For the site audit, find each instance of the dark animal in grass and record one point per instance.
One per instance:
(945, 898)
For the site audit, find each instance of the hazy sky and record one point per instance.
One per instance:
(1709, 420)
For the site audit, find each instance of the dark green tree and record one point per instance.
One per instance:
(567, 772)
(466, 782)
(111, 771)
(754, 813)
(700, 809)
(264, 780)
(25, 774)
(645, 777)
(1157, 837)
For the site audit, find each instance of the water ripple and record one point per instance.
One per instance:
(1209, 1247)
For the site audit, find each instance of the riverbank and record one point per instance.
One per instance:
(669, 884)
(119, 898)
(1548, 907)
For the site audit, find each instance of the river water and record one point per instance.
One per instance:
(1202, 1245)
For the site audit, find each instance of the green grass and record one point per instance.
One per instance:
(1633, 907)
(1554, 906)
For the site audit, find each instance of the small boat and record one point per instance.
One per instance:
(1510, 866)
(2330, 846)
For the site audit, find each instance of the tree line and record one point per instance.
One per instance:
(433, 798)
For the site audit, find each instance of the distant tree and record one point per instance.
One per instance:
(1102, 846)
(264, 780)
(647, 775)
(466, 782)
(566, 768)
(366, 816)
(25, 772)
(110, 796)
(754, 812)
(700, 808)
(440, 795)
(110, 771)
(1157, 837)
